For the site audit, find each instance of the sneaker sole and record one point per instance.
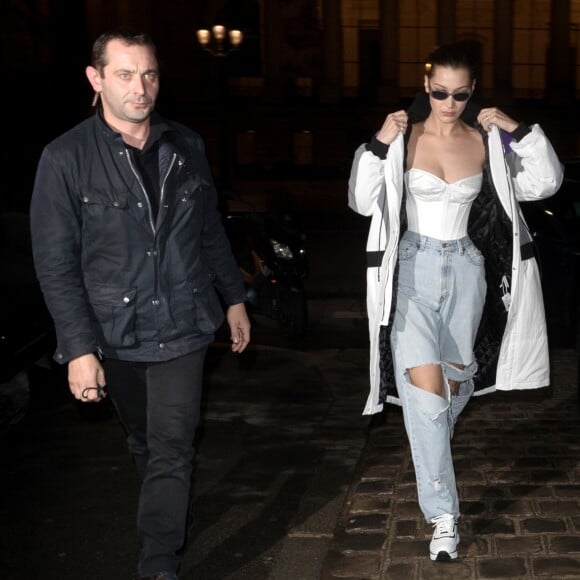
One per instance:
(443, 556)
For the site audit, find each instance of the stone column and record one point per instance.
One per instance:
(560, 76)
(446, 21)
(387, 90)
(330, 91)
(503, 50)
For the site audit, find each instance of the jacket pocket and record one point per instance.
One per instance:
(195, 308)
(209, 313)
(474, 255)
(115, 310)
(407, 249)
(100, 199)
(105, 218)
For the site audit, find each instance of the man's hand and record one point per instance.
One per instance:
(239, 324)
(85, 375)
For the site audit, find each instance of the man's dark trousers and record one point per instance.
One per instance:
(159, 406)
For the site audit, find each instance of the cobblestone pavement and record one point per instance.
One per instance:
(517, 461)
(291, 482)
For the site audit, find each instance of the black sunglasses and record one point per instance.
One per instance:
(443, 95)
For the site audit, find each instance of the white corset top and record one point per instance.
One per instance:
(439, 209)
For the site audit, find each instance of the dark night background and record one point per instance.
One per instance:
(312, 79)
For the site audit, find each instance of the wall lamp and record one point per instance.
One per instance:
(219, 41)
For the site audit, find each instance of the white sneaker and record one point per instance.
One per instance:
(443, 546)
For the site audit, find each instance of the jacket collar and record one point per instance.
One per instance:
(158, 126)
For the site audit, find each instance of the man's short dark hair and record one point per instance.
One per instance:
(126, 36)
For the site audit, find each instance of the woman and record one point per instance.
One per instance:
(453, 290)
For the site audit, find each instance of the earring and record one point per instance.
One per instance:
(95, 99)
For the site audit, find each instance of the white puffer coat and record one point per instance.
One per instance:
(518, 357)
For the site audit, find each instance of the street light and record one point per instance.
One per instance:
(219, 41)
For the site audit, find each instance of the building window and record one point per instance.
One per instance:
(475, 23)
(417, 39)
(360, 25)
(530, 47)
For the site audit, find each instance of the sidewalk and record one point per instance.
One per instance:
(281, 438)
(279, 441)
(517, 461)
(291, 482)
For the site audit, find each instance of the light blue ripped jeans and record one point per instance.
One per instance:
(440, 296)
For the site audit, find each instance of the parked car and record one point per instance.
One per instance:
(26, 329)
(555, 227)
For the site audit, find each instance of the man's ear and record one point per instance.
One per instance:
(94, 78)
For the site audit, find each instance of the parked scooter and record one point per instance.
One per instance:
(269, 248)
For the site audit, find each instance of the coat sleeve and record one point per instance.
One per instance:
(56, 232)
(366, 182)
(215, 245)
(536, 171)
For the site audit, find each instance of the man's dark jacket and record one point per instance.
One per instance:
(113, 278)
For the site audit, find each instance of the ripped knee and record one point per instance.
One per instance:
(428, 377)
(458, 373)
(454, 385)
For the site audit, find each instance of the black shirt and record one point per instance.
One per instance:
(147, 163)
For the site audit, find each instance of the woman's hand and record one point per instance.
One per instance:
(394, 124)
(493, 116)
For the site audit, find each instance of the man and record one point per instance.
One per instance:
(128, 247)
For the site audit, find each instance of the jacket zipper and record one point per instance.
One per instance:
(165, 178)
(380, 231)
(136, 174)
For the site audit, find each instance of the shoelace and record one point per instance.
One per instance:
(445, 525)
